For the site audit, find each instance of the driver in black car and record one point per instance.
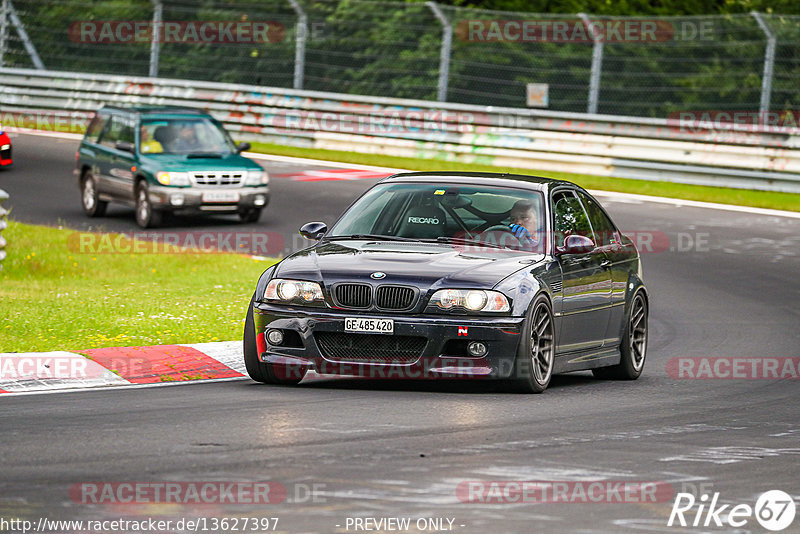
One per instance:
(524, 224)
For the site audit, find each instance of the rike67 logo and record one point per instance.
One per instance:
(774, 511)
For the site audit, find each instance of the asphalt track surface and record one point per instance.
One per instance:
(378, 448)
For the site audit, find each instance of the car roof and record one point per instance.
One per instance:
(144, 111)
(519, 181)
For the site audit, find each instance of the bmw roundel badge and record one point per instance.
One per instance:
(378, 275)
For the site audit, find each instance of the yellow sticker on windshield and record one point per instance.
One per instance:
(439, 192)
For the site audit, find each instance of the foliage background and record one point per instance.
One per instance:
(393, 49)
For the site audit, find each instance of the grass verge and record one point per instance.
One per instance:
(722, 195)
(52, 298)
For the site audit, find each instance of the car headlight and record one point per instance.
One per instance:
(172, 178)
(5, 147)
(257, 178)
(293, 291)
(471, 300)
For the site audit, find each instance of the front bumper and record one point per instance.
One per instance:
(190, 199)
(443, 355)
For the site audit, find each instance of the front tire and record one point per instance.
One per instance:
(533, 366)
(146, 217)
(258, 370)
(250, 215)
(90, 199)
(633, 348)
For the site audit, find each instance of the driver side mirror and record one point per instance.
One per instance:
(576, 244)
(124, 146)
(241, 147)
(313, 230)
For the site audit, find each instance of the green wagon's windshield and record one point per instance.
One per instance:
(196, 135)
(511, 218)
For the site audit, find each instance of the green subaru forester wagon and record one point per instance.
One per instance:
(161, 159)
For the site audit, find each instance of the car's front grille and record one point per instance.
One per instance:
(217, 178)
(370, 348)
(5, 154)
(353, 295)
(394, 297)
(387, 297)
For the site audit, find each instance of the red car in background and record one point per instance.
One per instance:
(5, 149)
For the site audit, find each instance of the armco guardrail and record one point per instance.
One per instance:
(3, 225)
(728, 155)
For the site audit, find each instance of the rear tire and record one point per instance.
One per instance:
(92, 205)
(258, 370)
(146, 217)
(633, 348)
(533, 366)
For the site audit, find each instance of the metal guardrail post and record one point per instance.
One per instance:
(602, 145)
(769, 64)
(155, 39)
(597, 64)
(23, 35)
(444, 55)
(5, 9)
(3, 225)
(300, 46)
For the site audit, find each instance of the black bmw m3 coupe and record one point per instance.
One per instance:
(453, 274)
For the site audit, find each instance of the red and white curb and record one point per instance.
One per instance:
(120, 366)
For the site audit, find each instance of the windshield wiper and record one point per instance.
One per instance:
(377, 237)
(217, 155)
(462, 241)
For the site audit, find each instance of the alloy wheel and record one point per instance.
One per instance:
(542, 344)
(637, 332)
(88, 193)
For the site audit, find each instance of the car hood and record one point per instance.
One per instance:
(419, 264)
(182, 163)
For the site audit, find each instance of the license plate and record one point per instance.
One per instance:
(221, 196)
(373, 326)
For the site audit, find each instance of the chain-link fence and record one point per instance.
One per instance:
(646, 66)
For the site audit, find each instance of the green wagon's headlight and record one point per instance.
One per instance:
(257, 178)
(173, 178)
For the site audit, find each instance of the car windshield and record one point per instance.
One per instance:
(495, 216)
(195, 135)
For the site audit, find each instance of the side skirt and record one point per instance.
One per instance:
(582, 361)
